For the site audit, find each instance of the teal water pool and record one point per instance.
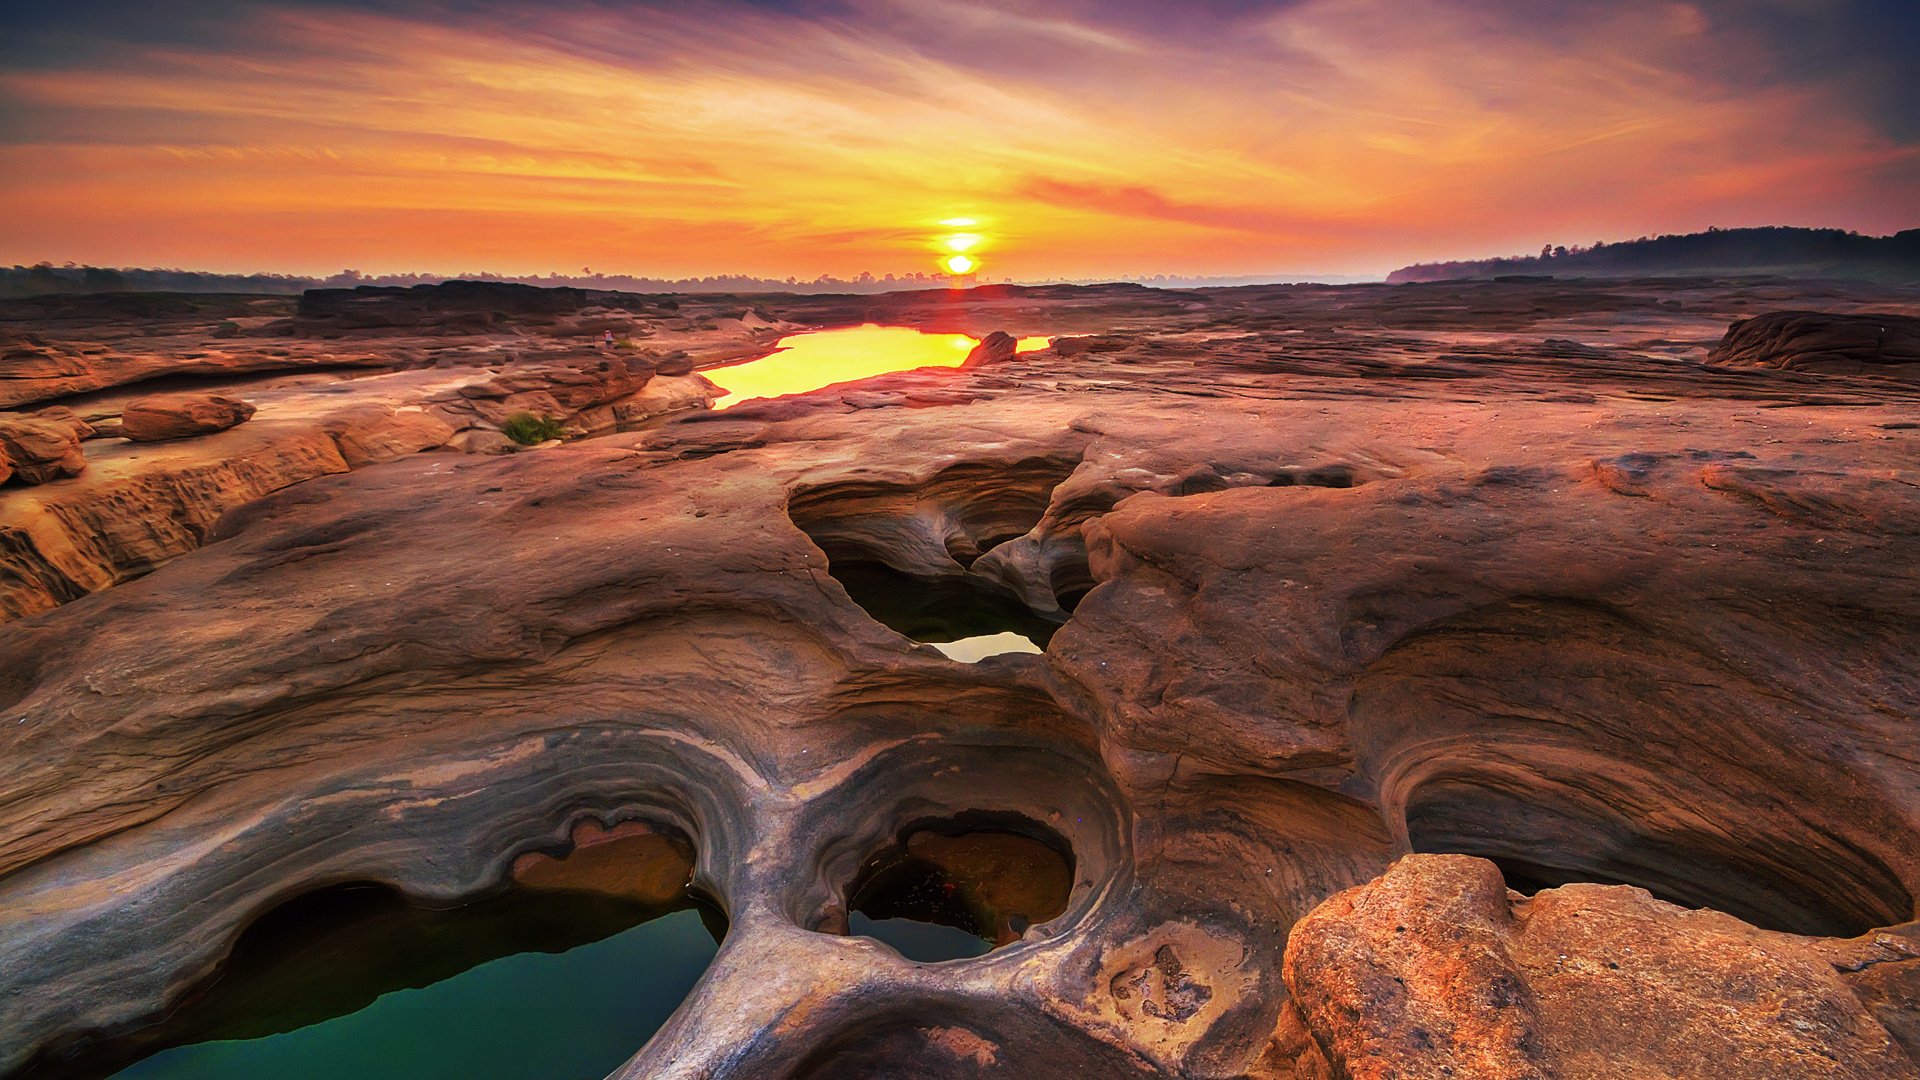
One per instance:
(570, 1015)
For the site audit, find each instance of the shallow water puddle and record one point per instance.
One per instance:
(565, 976)
(921, 942)
(811, 361)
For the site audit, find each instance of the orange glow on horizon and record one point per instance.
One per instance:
(307, 139)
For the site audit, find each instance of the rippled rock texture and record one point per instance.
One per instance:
(1423, 658)
(1816, 341)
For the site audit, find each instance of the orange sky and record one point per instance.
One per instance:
(1324, 136)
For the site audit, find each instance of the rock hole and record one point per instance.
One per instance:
(914, 556)
(1563, 741)
(566, 970)
(1537, 847)
(962, 887)
(955, 615)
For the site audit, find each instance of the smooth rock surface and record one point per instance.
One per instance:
(181, 416)
(1507, 576)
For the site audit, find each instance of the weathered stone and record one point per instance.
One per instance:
(995, 348)
(482, 441)
(180, 416)
(1868, 343)
(1435, 969)
(60, 414)
(1318, 597)
(40, 450)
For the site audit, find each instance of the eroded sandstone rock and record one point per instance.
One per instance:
(180, 416)
(1824, 342)
(1319, 597)
(38, 450)
(60, 414)
(1435, 969)
(995, 348)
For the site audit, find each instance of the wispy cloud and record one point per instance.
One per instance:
(677, 138)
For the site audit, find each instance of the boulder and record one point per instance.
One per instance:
(38, 450)
(60, 414)
(482, 441)
(1435, 969)
(993, 349)
(179, 416)
(372, 433)
(1869, 343)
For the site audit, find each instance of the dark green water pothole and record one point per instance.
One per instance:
(950, 892)
(965, 619)
(921, 942)
(565, 975)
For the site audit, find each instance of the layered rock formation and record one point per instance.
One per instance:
(1563, 640)
(40, 449)
(1871, 343)
(133, 509)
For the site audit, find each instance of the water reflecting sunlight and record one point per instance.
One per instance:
(811, 361)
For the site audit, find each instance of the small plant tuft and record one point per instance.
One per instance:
(529, 430)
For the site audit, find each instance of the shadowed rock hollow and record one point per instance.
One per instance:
(1439, 680)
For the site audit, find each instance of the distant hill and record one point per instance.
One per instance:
(1831, 253)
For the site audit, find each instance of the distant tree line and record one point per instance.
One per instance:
(45, 278)
(1771, 249)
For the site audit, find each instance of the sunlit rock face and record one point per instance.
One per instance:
(1500, 689)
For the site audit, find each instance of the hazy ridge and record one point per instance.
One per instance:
(1796, 252)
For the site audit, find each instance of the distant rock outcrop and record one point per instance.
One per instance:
(178, 416)
(450, 308)
(1818, 341)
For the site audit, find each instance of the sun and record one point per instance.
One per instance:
(960, 264)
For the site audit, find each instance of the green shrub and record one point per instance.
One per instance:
(528, 429)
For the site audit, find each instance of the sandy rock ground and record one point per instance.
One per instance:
(1455, 680)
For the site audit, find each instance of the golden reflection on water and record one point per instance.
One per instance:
(804, 362)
